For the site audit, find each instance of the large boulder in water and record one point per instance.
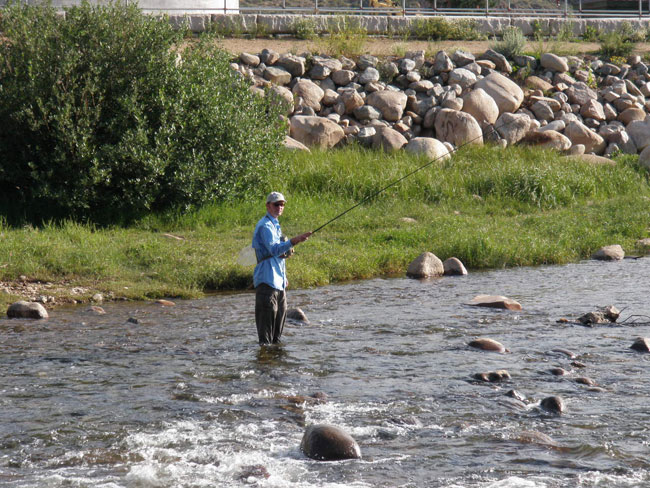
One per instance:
(27, 310)
(425, 265)
(325, 442)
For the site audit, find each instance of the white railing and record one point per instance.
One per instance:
(403, 7)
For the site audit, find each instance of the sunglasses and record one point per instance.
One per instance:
(278, 204)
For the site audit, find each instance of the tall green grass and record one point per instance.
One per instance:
(487, 206)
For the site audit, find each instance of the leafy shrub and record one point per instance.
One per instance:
(615, 43)
(349, 39)
(565, 32)
(439, 28)
(101, 118)
(512, 43)
(304, 28)
(590, 34)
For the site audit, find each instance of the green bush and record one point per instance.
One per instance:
(102, 117)
(439, 28)
(305, 28)
(619, 42)
(512, 43)
(590, 34)
(348, 38)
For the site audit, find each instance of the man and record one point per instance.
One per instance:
(270, 276)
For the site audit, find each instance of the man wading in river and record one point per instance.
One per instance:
(270, 276)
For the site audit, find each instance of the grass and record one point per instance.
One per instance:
(487, 206)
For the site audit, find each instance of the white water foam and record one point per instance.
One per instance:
(209, 454)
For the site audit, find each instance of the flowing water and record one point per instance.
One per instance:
(186, 398)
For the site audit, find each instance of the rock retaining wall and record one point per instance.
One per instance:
(385, 24)
(433, 105)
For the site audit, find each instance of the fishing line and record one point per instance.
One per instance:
(494, 129)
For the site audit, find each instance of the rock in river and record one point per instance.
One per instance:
(495, 301)
(553, 404)
(641, 344)
(609, 253)
(493, 376)
(487, 345)
(425, 265)
(298, 315)
(27, 310)
(325, 442)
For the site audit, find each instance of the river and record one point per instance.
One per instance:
(186, 398)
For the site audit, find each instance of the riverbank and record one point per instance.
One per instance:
(489, 207)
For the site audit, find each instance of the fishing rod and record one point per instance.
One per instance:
(370, 197)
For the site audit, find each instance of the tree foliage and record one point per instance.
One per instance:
(107, 114)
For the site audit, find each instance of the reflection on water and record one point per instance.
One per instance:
(185, 397)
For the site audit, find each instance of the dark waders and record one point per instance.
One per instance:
(270, 313)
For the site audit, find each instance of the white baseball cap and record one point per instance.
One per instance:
(275, 196)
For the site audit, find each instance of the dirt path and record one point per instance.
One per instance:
(388, 47)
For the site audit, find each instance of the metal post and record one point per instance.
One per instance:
(284, 4)
(315, 6)
(403, 7)
(640, 9)
(435, 5)
(487, 7)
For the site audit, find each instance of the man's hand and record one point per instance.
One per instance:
(300, 238)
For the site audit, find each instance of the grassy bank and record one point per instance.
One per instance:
(487, 206)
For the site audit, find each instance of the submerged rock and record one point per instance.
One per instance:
(485, 344)
(325, 442)
(495, 301)
(553, 404)
(27, 310)
(641, 344)
(584, 380)
(558, 371)
(603, 315)
(591, 318)
(493, 376)
(516, 395)
(298, 315)
(535, 437)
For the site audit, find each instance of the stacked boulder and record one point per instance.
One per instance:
(431, 106)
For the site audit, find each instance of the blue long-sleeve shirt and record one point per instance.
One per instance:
(266, 242)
